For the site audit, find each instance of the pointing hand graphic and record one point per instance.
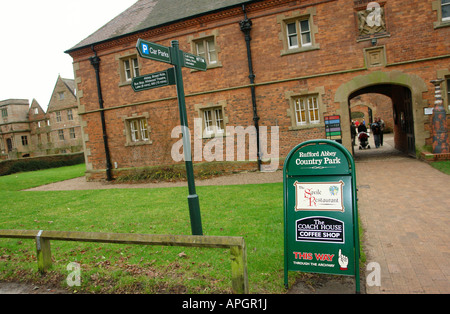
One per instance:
(343, 261)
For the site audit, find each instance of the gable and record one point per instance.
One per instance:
(65, 87)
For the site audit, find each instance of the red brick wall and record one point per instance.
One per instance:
(411, 37)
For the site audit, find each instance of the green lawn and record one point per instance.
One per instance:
(252, 211)
(443, 166)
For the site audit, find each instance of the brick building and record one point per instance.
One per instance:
(272, 63)
(28, 131)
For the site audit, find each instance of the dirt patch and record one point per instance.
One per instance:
(324, 284)
(25, 288)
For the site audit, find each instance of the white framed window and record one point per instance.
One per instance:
(58, 116)
(305, 33)
(306, 110)
(72, 133)
(445, 7)
(61, 135)
(129, 68)
(36, 111)
(213, 121)
(138, 130)
(299, 34)
(206, 48)
(292, 35)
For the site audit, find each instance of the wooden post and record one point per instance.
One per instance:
(239, 277)
(44, 254)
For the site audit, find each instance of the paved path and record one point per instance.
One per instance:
(404, 207)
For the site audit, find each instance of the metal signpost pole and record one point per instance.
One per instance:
(173, 55)
(194, 206)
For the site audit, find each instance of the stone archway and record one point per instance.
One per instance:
(413, 82)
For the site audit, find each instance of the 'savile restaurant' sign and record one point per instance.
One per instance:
(320, 210)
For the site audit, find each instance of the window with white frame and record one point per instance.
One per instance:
(72, 133)
(213, 121)
(306, 110)
(58, 116)
(138, 130)
(445, 7)
(131, 68)
(206, 48)
(61, 135)
(298, 34)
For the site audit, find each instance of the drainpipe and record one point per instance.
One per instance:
(246, 27)
(95, 62)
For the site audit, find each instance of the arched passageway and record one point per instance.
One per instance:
(406, 93)
(392, 104)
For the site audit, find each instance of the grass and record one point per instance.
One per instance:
(252, 211)
(443, 166)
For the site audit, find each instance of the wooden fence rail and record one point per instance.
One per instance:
(236, 245)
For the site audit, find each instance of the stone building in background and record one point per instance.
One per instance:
(28, 131)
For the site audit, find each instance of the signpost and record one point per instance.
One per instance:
(320, 211)
(153, 51)
(194, 62)
(178, 59)
(153, 80)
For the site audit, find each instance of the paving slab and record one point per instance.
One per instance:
(404, 207)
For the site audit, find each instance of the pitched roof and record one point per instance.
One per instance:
(145, 14)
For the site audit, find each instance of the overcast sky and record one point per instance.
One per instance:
(34, 35)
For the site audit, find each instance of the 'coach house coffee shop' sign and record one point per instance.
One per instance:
(320, 210)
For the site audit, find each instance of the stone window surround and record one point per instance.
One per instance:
(436, 6)
(292, 95)
(121, 68)
(127, 131)
(283, 20)
(201, 36)
(200, 108)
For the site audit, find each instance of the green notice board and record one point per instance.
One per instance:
(320, 210)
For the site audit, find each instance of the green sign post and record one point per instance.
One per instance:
(153, 51)
(153, 80)
(320, 211)
(178, 59)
